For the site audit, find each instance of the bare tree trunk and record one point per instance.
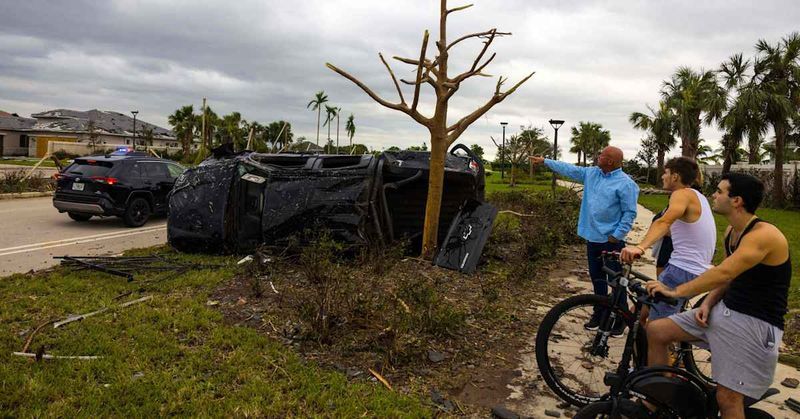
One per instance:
(435, 190)
(753, 147)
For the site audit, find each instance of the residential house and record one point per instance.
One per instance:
(78, 132)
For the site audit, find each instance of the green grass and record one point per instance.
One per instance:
(172, 355)
(785, 220)
(21, 162)
(540, 182)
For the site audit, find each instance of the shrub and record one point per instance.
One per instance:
(15, 182)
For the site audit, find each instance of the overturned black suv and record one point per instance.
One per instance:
(131, 185)
(238, 201)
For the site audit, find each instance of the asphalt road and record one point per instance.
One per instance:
(32, 232)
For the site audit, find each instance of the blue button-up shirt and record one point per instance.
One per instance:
(609, 200)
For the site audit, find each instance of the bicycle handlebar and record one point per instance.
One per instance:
(636, 287)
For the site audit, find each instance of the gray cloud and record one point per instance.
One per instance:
(594, 60)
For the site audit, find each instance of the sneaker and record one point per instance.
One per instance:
(592, 324)
(618, 330)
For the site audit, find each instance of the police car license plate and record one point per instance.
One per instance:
(77, 186)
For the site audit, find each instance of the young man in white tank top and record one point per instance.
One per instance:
(690, 222)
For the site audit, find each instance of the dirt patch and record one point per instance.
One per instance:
(453, 339)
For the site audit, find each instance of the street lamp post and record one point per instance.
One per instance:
(556, 124)
(134, 113)
(503, 152)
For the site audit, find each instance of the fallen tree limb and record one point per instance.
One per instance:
(48, 356)
(38, 328)
(516, 213)
(79, 317)
(381, 379)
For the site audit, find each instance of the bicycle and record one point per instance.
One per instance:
(576, 369)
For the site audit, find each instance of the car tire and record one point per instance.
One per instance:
(137, 213)
(79, 217)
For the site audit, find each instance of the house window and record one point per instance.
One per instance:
(24, 141)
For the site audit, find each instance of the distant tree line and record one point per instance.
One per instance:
(744, 97)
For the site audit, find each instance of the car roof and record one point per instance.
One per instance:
(109, 158)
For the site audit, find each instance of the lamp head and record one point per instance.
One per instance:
(556, 123)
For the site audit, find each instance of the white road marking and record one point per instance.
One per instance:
(77, 240)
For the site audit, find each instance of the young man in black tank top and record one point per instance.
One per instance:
(742, 317)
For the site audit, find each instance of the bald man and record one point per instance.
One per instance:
(607, 213)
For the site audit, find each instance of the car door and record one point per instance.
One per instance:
(159, 182)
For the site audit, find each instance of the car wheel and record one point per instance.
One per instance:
(137, 213)
(79, 217)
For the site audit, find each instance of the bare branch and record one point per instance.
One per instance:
(516, 86)
(478, 35)
(458, 128)
(427, 63)
(394, 79)
(419, 71)
(486, 44)
(398, 107)
(495, 142)
(457, 9)
(474, 71)
(422, 120)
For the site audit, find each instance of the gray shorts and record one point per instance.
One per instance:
(671, 276)
(744, 349)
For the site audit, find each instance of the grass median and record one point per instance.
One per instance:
(172, 355)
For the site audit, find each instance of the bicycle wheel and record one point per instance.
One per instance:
(697, 360)
(564, 350)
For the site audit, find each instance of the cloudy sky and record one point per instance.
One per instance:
(594, 60)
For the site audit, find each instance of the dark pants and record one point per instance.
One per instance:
(599, 278)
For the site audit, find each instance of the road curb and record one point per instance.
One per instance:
(22, 195)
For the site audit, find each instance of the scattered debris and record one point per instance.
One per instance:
(381, 379)
(137, 375)
(790, 382)
(211, 303)
(71, 319)
(38, 328)
(440, 402)
(501, 412)
(246, 259)
(435, 356)
(462, 247)
(273, 287)
(552, 413)
(48, 356)
(126, 266)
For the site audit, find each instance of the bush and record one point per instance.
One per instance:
(15, 182)
(535, 225)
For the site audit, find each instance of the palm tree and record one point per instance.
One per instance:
(350, 129)
(661, 124)
(743, 116)
(776, 75)
(578, 145)
(696, 97)
(316, 105)
(591, 137)
(330, 113)
(183, 122)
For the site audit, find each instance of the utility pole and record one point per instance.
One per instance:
(203, 128)
(556, 124)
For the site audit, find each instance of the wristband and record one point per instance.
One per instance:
(640, 248)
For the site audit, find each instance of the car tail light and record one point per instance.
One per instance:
(106, 180)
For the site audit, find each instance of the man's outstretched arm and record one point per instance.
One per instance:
(577, 173)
